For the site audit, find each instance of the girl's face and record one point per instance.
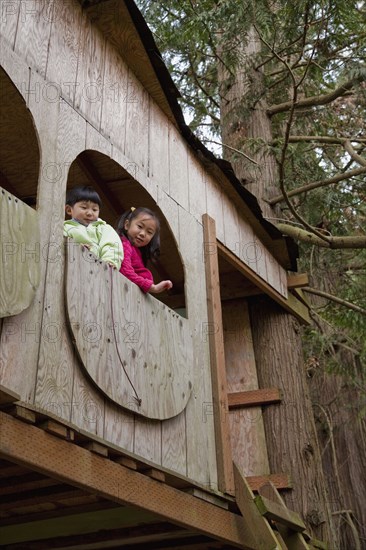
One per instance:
(141, 229)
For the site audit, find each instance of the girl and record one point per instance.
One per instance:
(139, 229)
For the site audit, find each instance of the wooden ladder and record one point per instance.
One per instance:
(272, 525)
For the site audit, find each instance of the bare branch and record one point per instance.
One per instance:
(356, 241)
(326, 139)
(320, 183)
(350, 150)
(332, 298)
(315, 100)
(231, 149)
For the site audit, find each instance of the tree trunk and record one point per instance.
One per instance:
(290, 430)
(342, 433)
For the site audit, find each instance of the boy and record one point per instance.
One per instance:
(85, 227)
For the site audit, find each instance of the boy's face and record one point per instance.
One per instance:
(85, 212)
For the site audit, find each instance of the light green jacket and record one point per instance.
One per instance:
(100, 237)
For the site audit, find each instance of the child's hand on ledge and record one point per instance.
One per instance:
(160, 287)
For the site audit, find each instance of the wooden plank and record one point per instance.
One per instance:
(248, 439)
(34, 448)
(20, 259)
(257, 525)
(96, 448)
(197, 188)
(137, 124)
(23, 414)
(231, 223)
(128, 358)
(275, 512)
(115, 98)
(154, 474)
(297, 280)
(178, 168)
(252, 398)
(200, 432)
(7, 396)
(90, 72)
(33, 33)
(65, 43)
(291, 304)
(217, 359)
(55, 428)
(280, 481)
(159, 148)
(54, 383)
(209, 497)
(127, 462)
(214, 197)
(9, 15)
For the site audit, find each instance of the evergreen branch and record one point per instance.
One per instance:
(316, 100)
(281, 168)
(335, 299)
(332, 242)
(317, 184)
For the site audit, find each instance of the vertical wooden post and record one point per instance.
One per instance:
(217, 359)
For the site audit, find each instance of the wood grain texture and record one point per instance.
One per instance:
(33, 33)
(130, 354)
(217, 360)
(137, 123)
(178, 168)
(65, 43)
(9, 14)
(258, 526)
(90, 73)
(115, 98)
(200, 435)
(252, 398)
(197, 188)
(247, 431)
(20, 258)
(159, 148)
(38, 450)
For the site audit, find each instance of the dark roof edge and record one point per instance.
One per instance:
(172, 94)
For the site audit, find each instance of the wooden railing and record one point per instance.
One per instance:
(137, 351)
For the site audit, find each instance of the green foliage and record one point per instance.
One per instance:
(307, 48)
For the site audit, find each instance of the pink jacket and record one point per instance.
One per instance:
(133, 267)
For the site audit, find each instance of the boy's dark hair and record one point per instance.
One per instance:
(152, 250)
(82, 193)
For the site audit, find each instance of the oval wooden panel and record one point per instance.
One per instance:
(20, 254)
(126, 339)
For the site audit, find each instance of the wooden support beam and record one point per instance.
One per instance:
(55, 428)
(257, 525)
(271, 504)
(23, 413)
(7, 397)
(254, 398)
(217, 359)
(273, 511)
(297, 280)
(34, 448)
(290, 304)
(280, 481)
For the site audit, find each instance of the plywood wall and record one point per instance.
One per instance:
(82, 95)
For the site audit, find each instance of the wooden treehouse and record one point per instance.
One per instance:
(179, 459)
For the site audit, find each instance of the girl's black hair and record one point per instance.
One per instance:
(152, 250)
(82, 193)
